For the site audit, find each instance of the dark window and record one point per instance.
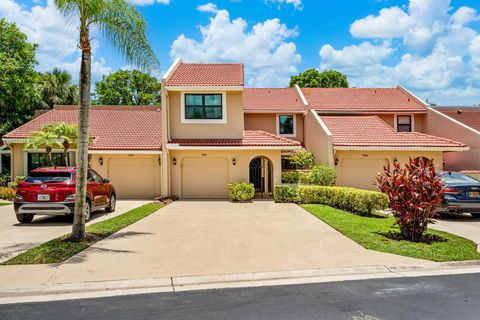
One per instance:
(37, 160)
(45, 177)
(287, 165)
(203, 106)
(94, 177)
(5, 162)
(404, 123)
(285, 124)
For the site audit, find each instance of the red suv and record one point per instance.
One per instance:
(51, 191)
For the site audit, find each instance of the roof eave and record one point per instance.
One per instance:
(398, 148)
(175, 146)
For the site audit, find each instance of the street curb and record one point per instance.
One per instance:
(67, 291)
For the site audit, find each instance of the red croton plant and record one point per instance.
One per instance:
(414, 191)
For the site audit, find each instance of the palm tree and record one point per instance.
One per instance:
(123, 25)
(67, 133)
(44, 138)
(55, 88)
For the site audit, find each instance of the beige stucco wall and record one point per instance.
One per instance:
(17, 160)
(383, 157)
(133, 183)
(236, 173)
(233, 129)
(442, 126)
(268, 122)
(388, 118)
(317, 141)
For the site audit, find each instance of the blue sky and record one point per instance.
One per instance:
(432, 47)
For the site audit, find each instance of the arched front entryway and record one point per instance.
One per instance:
(261, 175)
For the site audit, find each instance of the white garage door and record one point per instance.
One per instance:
(358, 173)
(204, 178)
(133, 178)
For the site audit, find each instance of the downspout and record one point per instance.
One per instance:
(165, 185)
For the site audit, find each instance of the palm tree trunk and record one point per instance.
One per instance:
(78, 228)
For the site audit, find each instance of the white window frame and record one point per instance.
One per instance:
(203, 121)
(395, 121)
(294, 124)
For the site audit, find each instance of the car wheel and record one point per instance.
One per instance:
(112, 204)
(87, 211)
(443, 214)
(25, 218)
(475, 215)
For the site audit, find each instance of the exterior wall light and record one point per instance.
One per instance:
(336, 161)
(234, 161)
(174, 161)
(159, 161)
(100, 161)
(395, 161)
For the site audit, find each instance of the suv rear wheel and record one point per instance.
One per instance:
(25, 218)
(112, 204)
(87, 212)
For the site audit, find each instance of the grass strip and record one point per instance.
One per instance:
(60, 249)
(4, 203)
(379, 233)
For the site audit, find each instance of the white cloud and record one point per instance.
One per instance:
(57, 40)
(99, 68)
(297, 4)
(438, 53)
(208, 7)
(147, 2)
(269, 59)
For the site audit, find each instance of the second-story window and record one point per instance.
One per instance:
(286, 125)
(404, 123)
(203, 106)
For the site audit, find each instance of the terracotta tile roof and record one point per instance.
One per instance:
(372, 131)
(112, 127)
(469, 116)
(355, 100)
(271, 100)
(251, 138)
(207, 74)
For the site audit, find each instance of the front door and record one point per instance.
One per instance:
(261, 176)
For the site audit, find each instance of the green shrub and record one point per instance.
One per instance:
(14, 184)
(359, 201)
(285, 193)
(302, 159)
(319, 175)
(4, 178)
(7, 193)
(241, 191)
(290, 176)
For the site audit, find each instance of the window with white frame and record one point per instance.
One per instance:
(286, 124)
(404, 123)
(200, 106)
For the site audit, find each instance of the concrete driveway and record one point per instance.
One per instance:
(462, 225)
(208, 237)
(16, 237)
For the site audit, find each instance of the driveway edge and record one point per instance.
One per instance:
(67, 291)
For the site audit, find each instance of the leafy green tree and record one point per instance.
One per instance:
(128, 88)
(44, 138)
(17, 77)
(303, 159)
(124, 26)
(55, 87)
(312, 78)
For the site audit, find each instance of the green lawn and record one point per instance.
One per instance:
(379, 233)
(60, 249)
(4, 203)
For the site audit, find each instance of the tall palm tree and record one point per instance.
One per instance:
(123, 25)
(44, 138)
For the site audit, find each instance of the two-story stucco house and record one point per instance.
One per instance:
(211, 131)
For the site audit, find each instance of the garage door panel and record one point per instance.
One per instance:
(133, 177)
(204, 178)
(358, 173)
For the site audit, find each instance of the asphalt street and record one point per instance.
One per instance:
(438, 297)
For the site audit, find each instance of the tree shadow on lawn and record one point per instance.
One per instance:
(427, 238)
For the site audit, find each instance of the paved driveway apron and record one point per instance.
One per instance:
(461, 225)
(16, 237)
(208, 237)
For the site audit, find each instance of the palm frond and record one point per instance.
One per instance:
(125, 27)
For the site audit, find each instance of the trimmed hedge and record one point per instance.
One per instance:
(241, 191)
(285, 193)
(319, 175)
(359, 201)
(290, 176)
